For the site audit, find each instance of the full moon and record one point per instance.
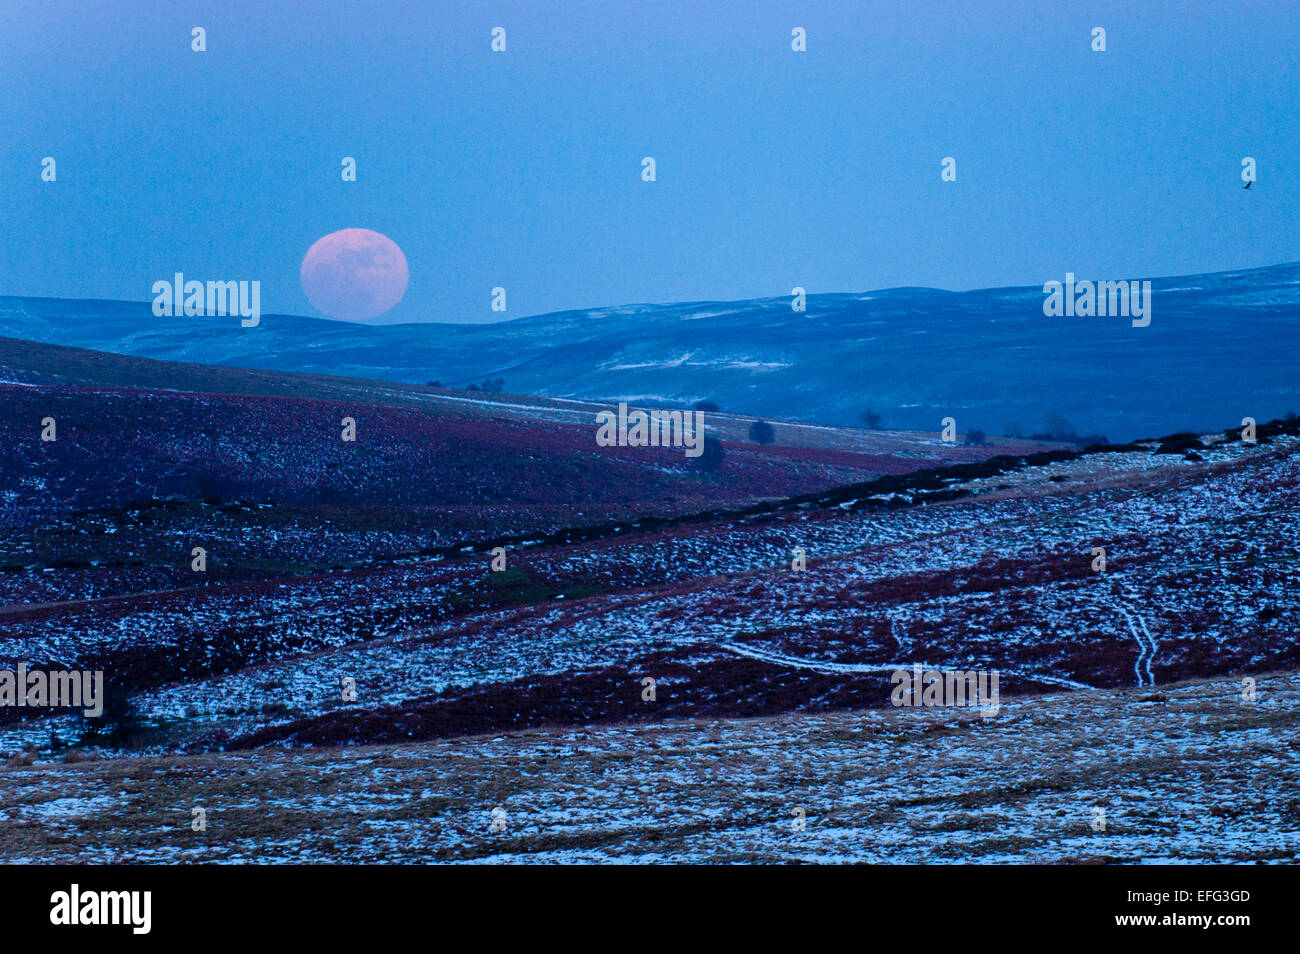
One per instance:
(354, 274)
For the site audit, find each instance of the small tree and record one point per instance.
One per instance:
(975, 438)
(119, 722)
(871, 420)
(1057, 428)
(706, 406)
(712, 456)
(761, 432)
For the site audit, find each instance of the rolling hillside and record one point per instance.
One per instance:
(371, 561)
(1219, 347)
(325, 560)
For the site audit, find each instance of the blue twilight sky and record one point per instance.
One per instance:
(523, 169)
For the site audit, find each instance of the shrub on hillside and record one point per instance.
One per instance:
(871, 420)
(761, 432)
(712, 457)
(119, 723)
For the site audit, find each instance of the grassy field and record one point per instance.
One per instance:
(1186, 772)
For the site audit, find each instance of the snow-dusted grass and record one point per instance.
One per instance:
(1189, 774)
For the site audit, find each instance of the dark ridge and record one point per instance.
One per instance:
(739, 687)
(1179, 443)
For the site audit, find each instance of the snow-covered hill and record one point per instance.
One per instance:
(1219, 347)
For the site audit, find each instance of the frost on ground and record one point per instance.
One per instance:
(1189, 773)
(480, 687)
(1200, 582)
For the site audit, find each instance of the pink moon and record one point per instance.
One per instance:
(354, 274)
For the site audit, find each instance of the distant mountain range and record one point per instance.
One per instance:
(1219, 347)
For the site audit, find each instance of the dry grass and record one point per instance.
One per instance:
(1200, 776)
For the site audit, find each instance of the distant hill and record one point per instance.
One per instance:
(1219, 347)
